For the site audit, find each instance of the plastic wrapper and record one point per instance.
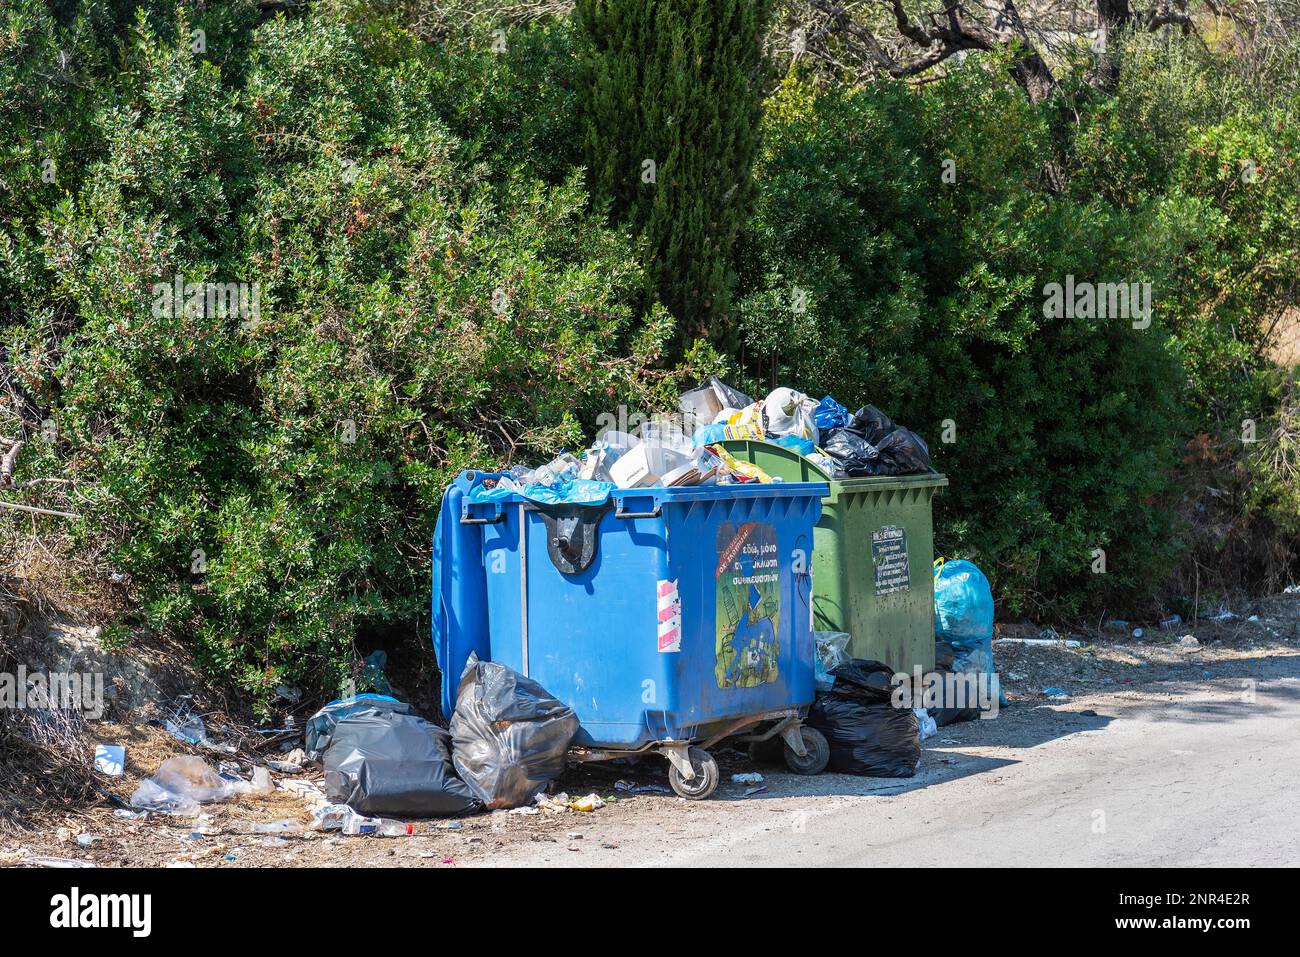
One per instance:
(180, 785)
(831, 651)
(509, 736)
(866, 733)
(745, 471)
(384, 763)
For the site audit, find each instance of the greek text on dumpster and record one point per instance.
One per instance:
(889, 555)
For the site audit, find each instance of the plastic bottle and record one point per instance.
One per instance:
(277, 827)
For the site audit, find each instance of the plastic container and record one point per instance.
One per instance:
(872, 560)
(664, 617)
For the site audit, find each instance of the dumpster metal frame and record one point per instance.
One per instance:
(786, 723)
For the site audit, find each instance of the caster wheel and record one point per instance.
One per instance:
(818, 756)
(706, 777)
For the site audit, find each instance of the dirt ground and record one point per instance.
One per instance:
(1110, 662)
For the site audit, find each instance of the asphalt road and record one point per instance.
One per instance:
(1202, 773)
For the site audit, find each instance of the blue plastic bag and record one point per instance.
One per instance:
(802, 446)
(567, 492)
(963, 603)
(963, 616)
(829, 414)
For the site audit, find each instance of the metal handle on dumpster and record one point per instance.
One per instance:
(654, 513)
(467, 519)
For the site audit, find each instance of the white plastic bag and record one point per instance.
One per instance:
(787, 412)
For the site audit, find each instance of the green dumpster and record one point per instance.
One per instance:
(873, 550)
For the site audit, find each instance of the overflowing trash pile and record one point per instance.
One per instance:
(687, 448)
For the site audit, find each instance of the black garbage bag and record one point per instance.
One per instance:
(941, 708)
(903, 452)
(320, 728)
(509, 736)
(866, 733)
(872, 424)
(382, 763)
(854, 453)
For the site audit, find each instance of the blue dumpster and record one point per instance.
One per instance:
(664, 617)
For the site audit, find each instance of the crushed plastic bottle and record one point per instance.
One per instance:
(285, 826)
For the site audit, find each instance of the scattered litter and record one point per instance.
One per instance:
(307, 791)
(758, 790)
(925, 724)
(110, 759)
(85, 840)
(261, 783)
(591, 802)
(633, 788)
(285, 767)
(130, 815)
(831, 652)
(191, 729)
(750, 777)
(285, 826)
(1056, 692)
(1170, 623)
(1138, 632)
(181, 784)
(574, 835)
(275, 842)
(523, 810)
(59, 862)
(1057, 642)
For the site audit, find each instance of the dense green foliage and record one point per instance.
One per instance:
(438, 286)
(671, 101)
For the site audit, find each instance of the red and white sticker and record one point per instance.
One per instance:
(670, 616)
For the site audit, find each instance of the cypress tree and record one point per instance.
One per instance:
(670, 104)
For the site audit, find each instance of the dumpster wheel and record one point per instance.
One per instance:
(817, 756)
(706, 777)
